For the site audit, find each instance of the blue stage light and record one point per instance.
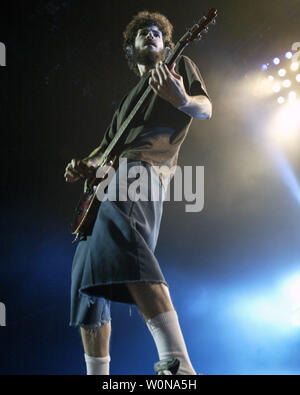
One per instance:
(276, 61)
(288, 55)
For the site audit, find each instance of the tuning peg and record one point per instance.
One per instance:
(199, 37)
(213, 22)
(205, 30)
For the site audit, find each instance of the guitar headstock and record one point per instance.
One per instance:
(194, 33)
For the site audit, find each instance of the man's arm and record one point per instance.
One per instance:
(197, 107)
(81, 168)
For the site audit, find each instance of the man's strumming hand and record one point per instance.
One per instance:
(77, 169)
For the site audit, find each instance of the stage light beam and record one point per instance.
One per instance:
(295, 318)
(284, 129)
(291, 289)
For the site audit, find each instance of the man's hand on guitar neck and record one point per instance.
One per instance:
(78, 169)
(169, 86)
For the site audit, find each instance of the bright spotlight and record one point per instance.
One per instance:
(295, 318)
(298, 77)
(264, 67)
(280, 100)
(292, 96)
(286, 83)
(286, 123)
(294, 66)
(276, 88)
(288, 55)
(276, 61)
(264, 86)
(282, 72)
(277, 310)
(291, 294)
(291, 289)
(271, 78)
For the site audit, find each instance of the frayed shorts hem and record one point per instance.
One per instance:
(98, 290)
(92, 328)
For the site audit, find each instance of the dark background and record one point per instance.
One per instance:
(64, 77)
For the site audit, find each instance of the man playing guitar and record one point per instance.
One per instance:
(116, 261)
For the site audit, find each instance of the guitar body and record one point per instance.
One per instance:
(87, 208)
(85, 214)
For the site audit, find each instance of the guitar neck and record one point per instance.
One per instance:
(146, 96)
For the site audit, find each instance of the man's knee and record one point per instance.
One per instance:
(100, 330)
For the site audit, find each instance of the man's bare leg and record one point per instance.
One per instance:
(155, 304)
(96, 349)
(96, 344)
(151, 299)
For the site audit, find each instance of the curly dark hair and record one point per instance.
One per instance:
(139, 21)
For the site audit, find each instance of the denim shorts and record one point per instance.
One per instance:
(121, 247)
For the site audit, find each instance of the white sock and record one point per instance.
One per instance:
(97, 365)
(169, 341)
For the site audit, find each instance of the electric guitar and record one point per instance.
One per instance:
(88, 205)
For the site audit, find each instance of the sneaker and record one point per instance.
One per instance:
(167, 366)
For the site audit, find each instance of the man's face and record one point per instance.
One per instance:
(149, 38)
(149, 46)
